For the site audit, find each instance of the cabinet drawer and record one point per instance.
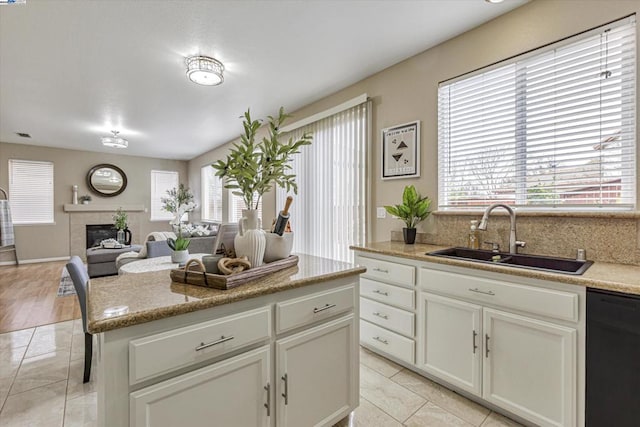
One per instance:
(161, 353)
(386, 316)
(387, 341)
(542, 301)
(389, 272)
(390, 294)
(306, 310)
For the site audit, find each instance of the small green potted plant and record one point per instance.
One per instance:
(413, 210)
(120, 219)
(179, 201)
(85, 199)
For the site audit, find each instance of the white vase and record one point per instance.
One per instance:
(278, 247)
(180, 257)
(250, 240)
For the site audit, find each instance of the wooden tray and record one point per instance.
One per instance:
(219, 281)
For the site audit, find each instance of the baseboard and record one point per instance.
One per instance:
(34, 261)
(2, 263)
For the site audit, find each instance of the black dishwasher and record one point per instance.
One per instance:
(613, 359)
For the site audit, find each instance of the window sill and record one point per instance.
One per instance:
(564, 214)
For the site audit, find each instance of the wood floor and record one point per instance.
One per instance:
(28, 297)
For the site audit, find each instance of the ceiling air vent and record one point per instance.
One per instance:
(23, 135)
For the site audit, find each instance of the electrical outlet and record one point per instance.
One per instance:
(382, 213)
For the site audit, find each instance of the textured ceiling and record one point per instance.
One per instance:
(70, 71)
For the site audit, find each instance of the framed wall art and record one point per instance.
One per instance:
(401, 151)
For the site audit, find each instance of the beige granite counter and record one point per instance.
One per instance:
(601, 275)
(152, 296)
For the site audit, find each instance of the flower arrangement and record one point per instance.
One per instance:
(120, 219)
(253, 168)
(179, 202)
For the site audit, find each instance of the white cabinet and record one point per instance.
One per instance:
(317, 374)
(514, 342)
(530, 367)
(451, 344)
(387, 307)
(234, 392)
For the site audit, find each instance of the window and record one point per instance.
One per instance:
(161, 181)
(31, 192)
(553, 128)
(211, 195)
(328, 213)
(236, 205)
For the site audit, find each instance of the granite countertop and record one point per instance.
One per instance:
(152, 296)
(601, 275)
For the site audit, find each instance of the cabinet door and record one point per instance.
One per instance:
(317, 374)
(530, 368)
(450, 341)
(229, 393)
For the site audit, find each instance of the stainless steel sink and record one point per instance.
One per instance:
(534, 262)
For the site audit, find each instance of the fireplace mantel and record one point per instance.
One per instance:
(95, 207)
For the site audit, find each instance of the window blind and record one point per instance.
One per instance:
(236, 205)
(161, 182)
(211, 194)
(328, 213)
(31, 191)
(552, 129)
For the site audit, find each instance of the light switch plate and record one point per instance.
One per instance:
(382, 213)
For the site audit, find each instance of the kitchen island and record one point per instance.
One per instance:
(282, 350)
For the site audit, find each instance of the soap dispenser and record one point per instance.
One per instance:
(474, 238)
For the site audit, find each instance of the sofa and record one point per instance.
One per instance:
(158, 248)
(102, 262)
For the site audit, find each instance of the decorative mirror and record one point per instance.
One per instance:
(107, 180)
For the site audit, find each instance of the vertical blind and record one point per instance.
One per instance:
(31, 191)
(328, 213)
(211, 194)
(554, 128)
(161, 182)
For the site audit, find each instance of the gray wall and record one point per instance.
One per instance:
(71, 167)
(408, 91)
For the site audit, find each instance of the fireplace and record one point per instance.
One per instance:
(96, 233)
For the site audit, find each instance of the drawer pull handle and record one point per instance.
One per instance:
(222, 339)
(326, 307)
(380, 270)
(473, 340)
(285, 378)
(382, 340)
(384, 316)
(476, 290)
(386, 294)
(486, 345)
(268, 404)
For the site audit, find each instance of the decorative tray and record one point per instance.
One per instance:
(219, 281)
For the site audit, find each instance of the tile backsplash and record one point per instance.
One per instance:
(613, 237)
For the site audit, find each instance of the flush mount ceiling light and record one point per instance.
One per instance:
(494, 1)
(204, 70)
(114, 141)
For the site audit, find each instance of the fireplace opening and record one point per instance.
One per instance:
(96, 233)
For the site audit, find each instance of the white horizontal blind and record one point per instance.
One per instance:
(31, 192)
(211, 194)
(236, 205)
(554, 129)
(161, 182)
(328, 213)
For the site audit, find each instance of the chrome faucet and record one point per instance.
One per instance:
(513, 243)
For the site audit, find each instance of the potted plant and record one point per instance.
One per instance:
(251, 169)
(120, 219)
(179, 202)
(85, 199)
(413, 210)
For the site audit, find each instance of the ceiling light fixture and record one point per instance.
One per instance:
(114, 141)
(204, 70)
(494, 1)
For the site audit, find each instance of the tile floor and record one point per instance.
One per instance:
(41, 385)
